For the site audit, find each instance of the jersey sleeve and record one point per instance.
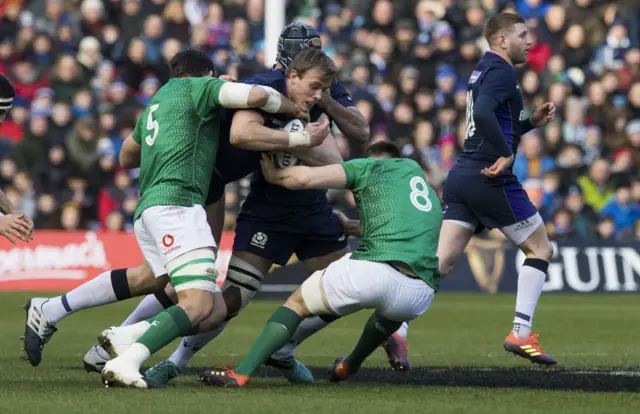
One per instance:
(498, 83)
(206, 94)
(358, 172)
(137, 131)
(339, 94)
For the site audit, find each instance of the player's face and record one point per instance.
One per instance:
(306, 90)
(518, 43)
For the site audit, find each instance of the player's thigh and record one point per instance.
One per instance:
(185, 244)
(536, 243)
(314, 264)
(177, 230)
(267, 240)
(148, 248)
(455, 203)
(323, 242)
(524, 220)
(405, 298)
(351, 285)
(454, 238)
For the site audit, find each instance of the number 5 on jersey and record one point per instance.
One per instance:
(420, 194)
(152, 125)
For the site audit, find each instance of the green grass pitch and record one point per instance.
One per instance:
(455, 348)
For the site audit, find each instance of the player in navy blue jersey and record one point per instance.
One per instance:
(481, 190)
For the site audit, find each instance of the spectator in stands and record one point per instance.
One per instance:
(596, 188)
(622, 208)
(406, 64)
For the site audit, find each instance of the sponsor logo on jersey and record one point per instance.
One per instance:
(342, 238)
(259, 240)
(167, 240)
(474, 76)
(155, 323)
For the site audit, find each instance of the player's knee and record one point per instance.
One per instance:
(242, 283)
(197, 304)
(544, 252)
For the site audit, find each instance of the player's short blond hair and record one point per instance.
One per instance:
(499, 23)
(313, 58)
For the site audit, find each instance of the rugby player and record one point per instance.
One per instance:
(481, 190)
(394, 270)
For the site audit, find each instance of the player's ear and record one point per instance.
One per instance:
(292, 74)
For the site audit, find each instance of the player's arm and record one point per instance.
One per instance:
(249, 132)
(346, 116)
(494, 91)
(326, 153)
(349, 226)
(302, 177)
(213, 92)
(130, 153)
(544, 114)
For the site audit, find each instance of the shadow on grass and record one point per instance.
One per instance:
(570, 379)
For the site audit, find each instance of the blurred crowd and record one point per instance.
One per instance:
(83, 69)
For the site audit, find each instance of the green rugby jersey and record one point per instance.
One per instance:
(400, 215)
(179, 135)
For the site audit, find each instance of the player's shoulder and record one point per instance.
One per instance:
(337, 87)
(403, 165)
(492, 65)
(274, 79)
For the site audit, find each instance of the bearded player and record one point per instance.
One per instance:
(481, 190)
(394, 270)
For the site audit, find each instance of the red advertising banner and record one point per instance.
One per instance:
(60, 261)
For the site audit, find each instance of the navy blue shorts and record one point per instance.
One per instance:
(276, 235)
(487, 203)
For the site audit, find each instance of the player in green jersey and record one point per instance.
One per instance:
(394, 270)
(175, 141)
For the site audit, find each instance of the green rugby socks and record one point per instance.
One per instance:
(376, 331)
(276, 333)
(165, 327)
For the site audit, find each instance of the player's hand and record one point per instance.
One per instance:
(288, 107)
(544, 114)
(326, 97)
(350, 227)
(227, 78)
(16, 225)
(301, 114)
(318, 131)
(269, 170)
(498, 167)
